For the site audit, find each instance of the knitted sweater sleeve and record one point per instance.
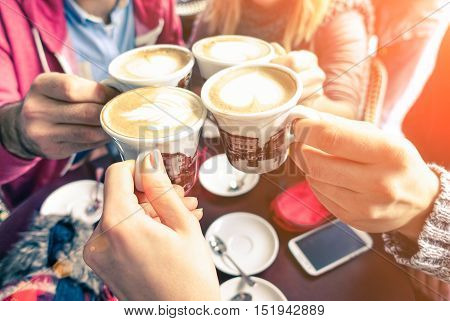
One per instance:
(431, 254)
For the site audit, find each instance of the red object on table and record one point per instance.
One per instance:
(297, 209)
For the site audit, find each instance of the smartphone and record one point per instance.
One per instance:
(328, 246)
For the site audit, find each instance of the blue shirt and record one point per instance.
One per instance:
(97, 44)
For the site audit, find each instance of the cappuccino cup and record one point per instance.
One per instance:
(216, 53)
(168, 119)
(154, 66)
(255, 106)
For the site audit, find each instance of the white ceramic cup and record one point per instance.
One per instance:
(179, 150)
(209, 66)
(179, 78)
(257, 142)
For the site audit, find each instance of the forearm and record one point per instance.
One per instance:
(11, 137)
(14, 162)
(431, 252)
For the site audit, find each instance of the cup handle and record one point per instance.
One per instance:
(116, 84)
(138, 171)
(299, 112)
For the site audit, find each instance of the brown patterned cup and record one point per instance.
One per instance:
(167, 119)
(254, 141)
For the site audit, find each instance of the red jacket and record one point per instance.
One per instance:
(24, 26)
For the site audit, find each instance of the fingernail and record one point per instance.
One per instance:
(156, 159)
(145, 165)
(153, 160)
(199, 211)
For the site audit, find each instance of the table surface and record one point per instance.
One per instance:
(371, 276)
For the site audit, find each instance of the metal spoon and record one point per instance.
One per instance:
(236, 183)
(219, 247)
(242, 296)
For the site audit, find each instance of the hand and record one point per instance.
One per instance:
(305, 63)
(191, 204)
(141, 258)
(372, 181)
(60, 116)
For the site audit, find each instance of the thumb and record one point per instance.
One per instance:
(349, 139)
(161, 194)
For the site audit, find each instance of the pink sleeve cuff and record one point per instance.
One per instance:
(12, 167)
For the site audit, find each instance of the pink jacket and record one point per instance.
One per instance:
(32, 34)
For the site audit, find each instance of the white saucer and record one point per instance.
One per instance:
(74, 198)
(251, 242)
(262, 291)
(217, 172)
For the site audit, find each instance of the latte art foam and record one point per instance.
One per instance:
(152, 112)
(234, 49)
(252, 90)
(153, 63)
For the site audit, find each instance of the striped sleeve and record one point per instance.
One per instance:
(432, 252)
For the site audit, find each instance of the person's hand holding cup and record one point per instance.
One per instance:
(144, 243)
(367, 178)
(58, 117)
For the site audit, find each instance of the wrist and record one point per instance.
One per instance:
(414, 227)
(10, 133)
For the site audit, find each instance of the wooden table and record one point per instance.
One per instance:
(371, 276)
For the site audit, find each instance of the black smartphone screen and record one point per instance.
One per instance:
(329, 244)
